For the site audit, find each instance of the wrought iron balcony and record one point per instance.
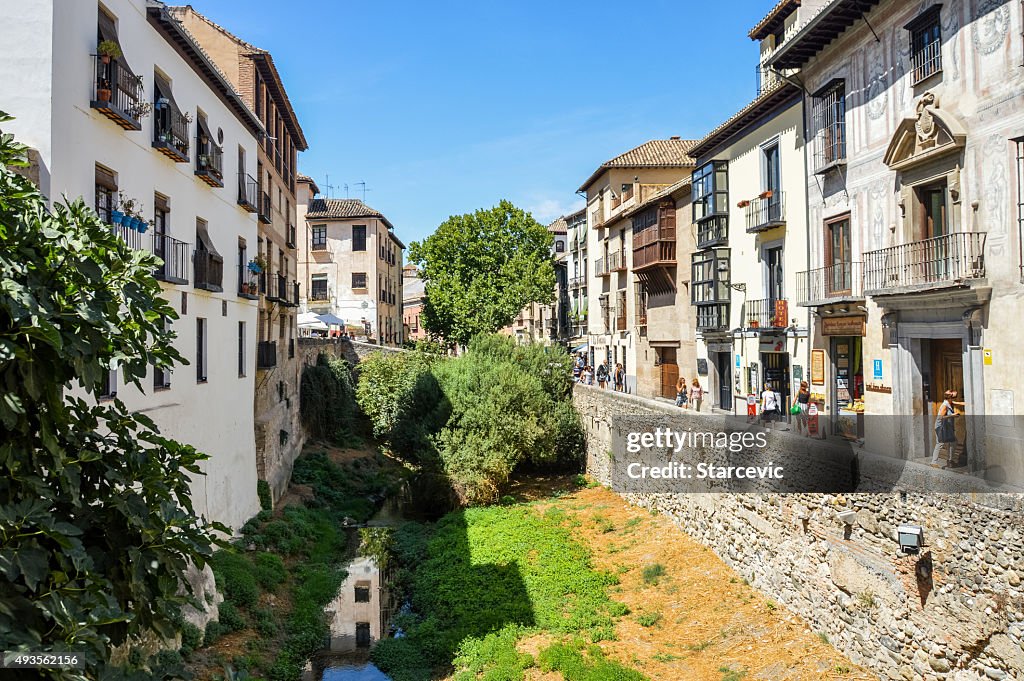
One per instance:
(943, 261)
(767, 79)
(175, 256)
(290, 236)
(318, 294)
(766, 213)
(210, 163)
(617, 262)
(134, 238)
(117, 93)
(841, 281)
(248, 283)
(712, 231)
(247, 192)
(713, 317)
(601, 267)
(765, 313)
(208, 270)
(577, 282)
(170, 134)
(266, 355)
(264, 215)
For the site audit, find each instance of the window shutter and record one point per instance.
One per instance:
(105, 178)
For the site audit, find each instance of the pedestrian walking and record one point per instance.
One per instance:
(620, 378)
(588, 375)
(577, 367)
(682, 395)
(769, 405)
(602, 375)
(696, 394)
(803, 402)
(945, 430)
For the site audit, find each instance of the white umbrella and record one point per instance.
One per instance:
(308, 320)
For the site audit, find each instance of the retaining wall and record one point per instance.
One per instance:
(954, 611)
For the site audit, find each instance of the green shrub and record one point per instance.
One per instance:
(263, 492)
(653, 573)
(230, 618)
(648, 619)
(213, 631)
(327, 399)
(235, 579)
(191, 638)
(569, 660)
(269, 570)
(265, 621)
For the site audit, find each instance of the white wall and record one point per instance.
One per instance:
(216, 416)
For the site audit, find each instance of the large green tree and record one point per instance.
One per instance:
(481, 269)
(96, 525)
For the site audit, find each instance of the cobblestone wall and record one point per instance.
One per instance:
(955, 611)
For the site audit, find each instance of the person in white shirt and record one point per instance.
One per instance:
(769, 404)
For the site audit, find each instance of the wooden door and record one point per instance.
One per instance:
(947, 367)
(669, 376)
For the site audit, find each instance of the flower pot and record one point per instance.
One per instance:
(135, 223)
(103, 94)
(766, 194)
(116, 217)
(753, 324)
(143, 226)
(105, 58)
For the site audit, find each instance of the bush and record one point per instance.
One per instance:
(234, 577)
(230, 618)
(263, 492)
(327, 399)
(269, 570)
(214, 631)
(653, 573)
(191, 638)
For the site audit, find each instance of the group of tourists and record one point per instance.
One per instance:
(689, 398)
(603, 375)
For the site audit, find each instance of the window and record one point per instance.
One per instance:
(282, 324)
(108, 384)
(925, 44)
(933, 220)
(709, 276)
(771, 180)
(711, 203)
(106, 192)
(838, 257)
(1019, 144)
(358, 237)
(241, 349)
(362, 592)
(358, 280)
(162, 377)
(828, 116)
(559, 246)
(201, 328)
(319, 242)
(318, 287)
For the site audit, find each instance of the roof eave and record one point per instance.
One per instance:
(272, 76)
(739, 121)
(796, 51)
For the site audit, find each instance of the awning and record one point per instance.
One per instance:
(331, 320)
(308, 320)
(205, 242)
(581, 348)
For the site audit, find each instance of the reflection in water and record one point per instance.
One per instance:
(356, 671)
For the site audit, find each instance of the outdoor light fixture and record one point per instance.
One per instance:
(911, 538)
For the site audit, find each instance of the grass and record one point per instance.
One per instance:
(732, 674)
(490, 576)
(648, 619)
(653, 573)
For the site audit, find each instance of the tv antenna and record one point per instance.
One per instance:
(365, 188)
(330, 187)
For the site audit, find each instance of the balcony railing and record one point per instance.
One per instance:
(266, 355)
(134, 238)
(208, 270)
(265, 208)
(616, 262)
(248, 283)
(940, 261)
(601, 267)
(281, 284)
(293, 298)
(577, 282)
(291, 348)
(174, 253)
(654, 237)
(712, 231)
(620, 317)
(117, 93)
(290, 237)
(714, 317)
(641, 308)
(765, 313)
(247, 188)
(318, 294)
(927, 60)
(841, 281)
(766, 213)
(210, 163)
(767, 78)
(170, 134)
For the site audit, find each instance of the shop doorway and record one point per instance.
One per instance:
(848, 386)
(723, 367)
(669, 371)
(945, 366)
(776, 374)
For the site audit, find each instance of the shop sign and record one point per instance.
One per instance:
(843, 326)
(773, 344)
(986, 355)
(877, 373)
(798, 372)
(702, 367)
(818, 367)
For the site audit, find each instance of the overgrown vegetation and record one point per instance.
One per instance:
(294, 558)
(327, 400)
(477, 417)
(97, 527)
(485, 578)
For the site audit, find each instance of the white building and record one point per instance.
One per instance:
(160, 125)
(350, 264)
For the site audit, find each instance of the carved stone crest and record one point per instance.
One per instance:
(925, 125)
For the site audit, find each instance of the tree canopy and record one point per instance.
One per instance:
(97, 527)
(481, 269)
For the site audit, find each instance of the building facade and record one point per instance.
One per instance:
(617, 293)
(545, 323)
(271, 276)
(914, 192)
(576, 276)
(350, 263)
(412, 304)
(146, 132)
(749, 198)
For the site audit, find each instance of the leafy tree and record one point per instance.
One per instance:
(97, 527)
(481, 269)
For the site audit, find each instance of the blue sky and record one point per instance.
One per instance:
(445, 107)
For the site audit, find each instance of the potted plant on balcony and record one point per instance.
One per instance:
(108, 49)
(752, 323)
(743, 204)
(257, 264)
(103, 91)
(767, 194)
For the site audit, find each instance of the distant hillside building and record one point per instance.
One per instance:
(412, 303)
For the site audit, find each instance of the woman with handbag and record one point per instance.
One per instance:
(945, 430)
(803, 400)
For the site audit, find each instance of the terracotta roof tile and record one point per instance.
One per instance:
(670, 153)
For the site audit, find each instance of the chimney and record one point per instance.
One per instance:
(674, 137)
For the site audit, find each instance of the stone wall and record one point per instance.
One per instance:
(954, 611)
(341, 348)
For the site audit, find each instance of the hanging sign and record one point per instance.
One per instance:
(877, 373)
(772, 344)
(818, 367)
(843, 326)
